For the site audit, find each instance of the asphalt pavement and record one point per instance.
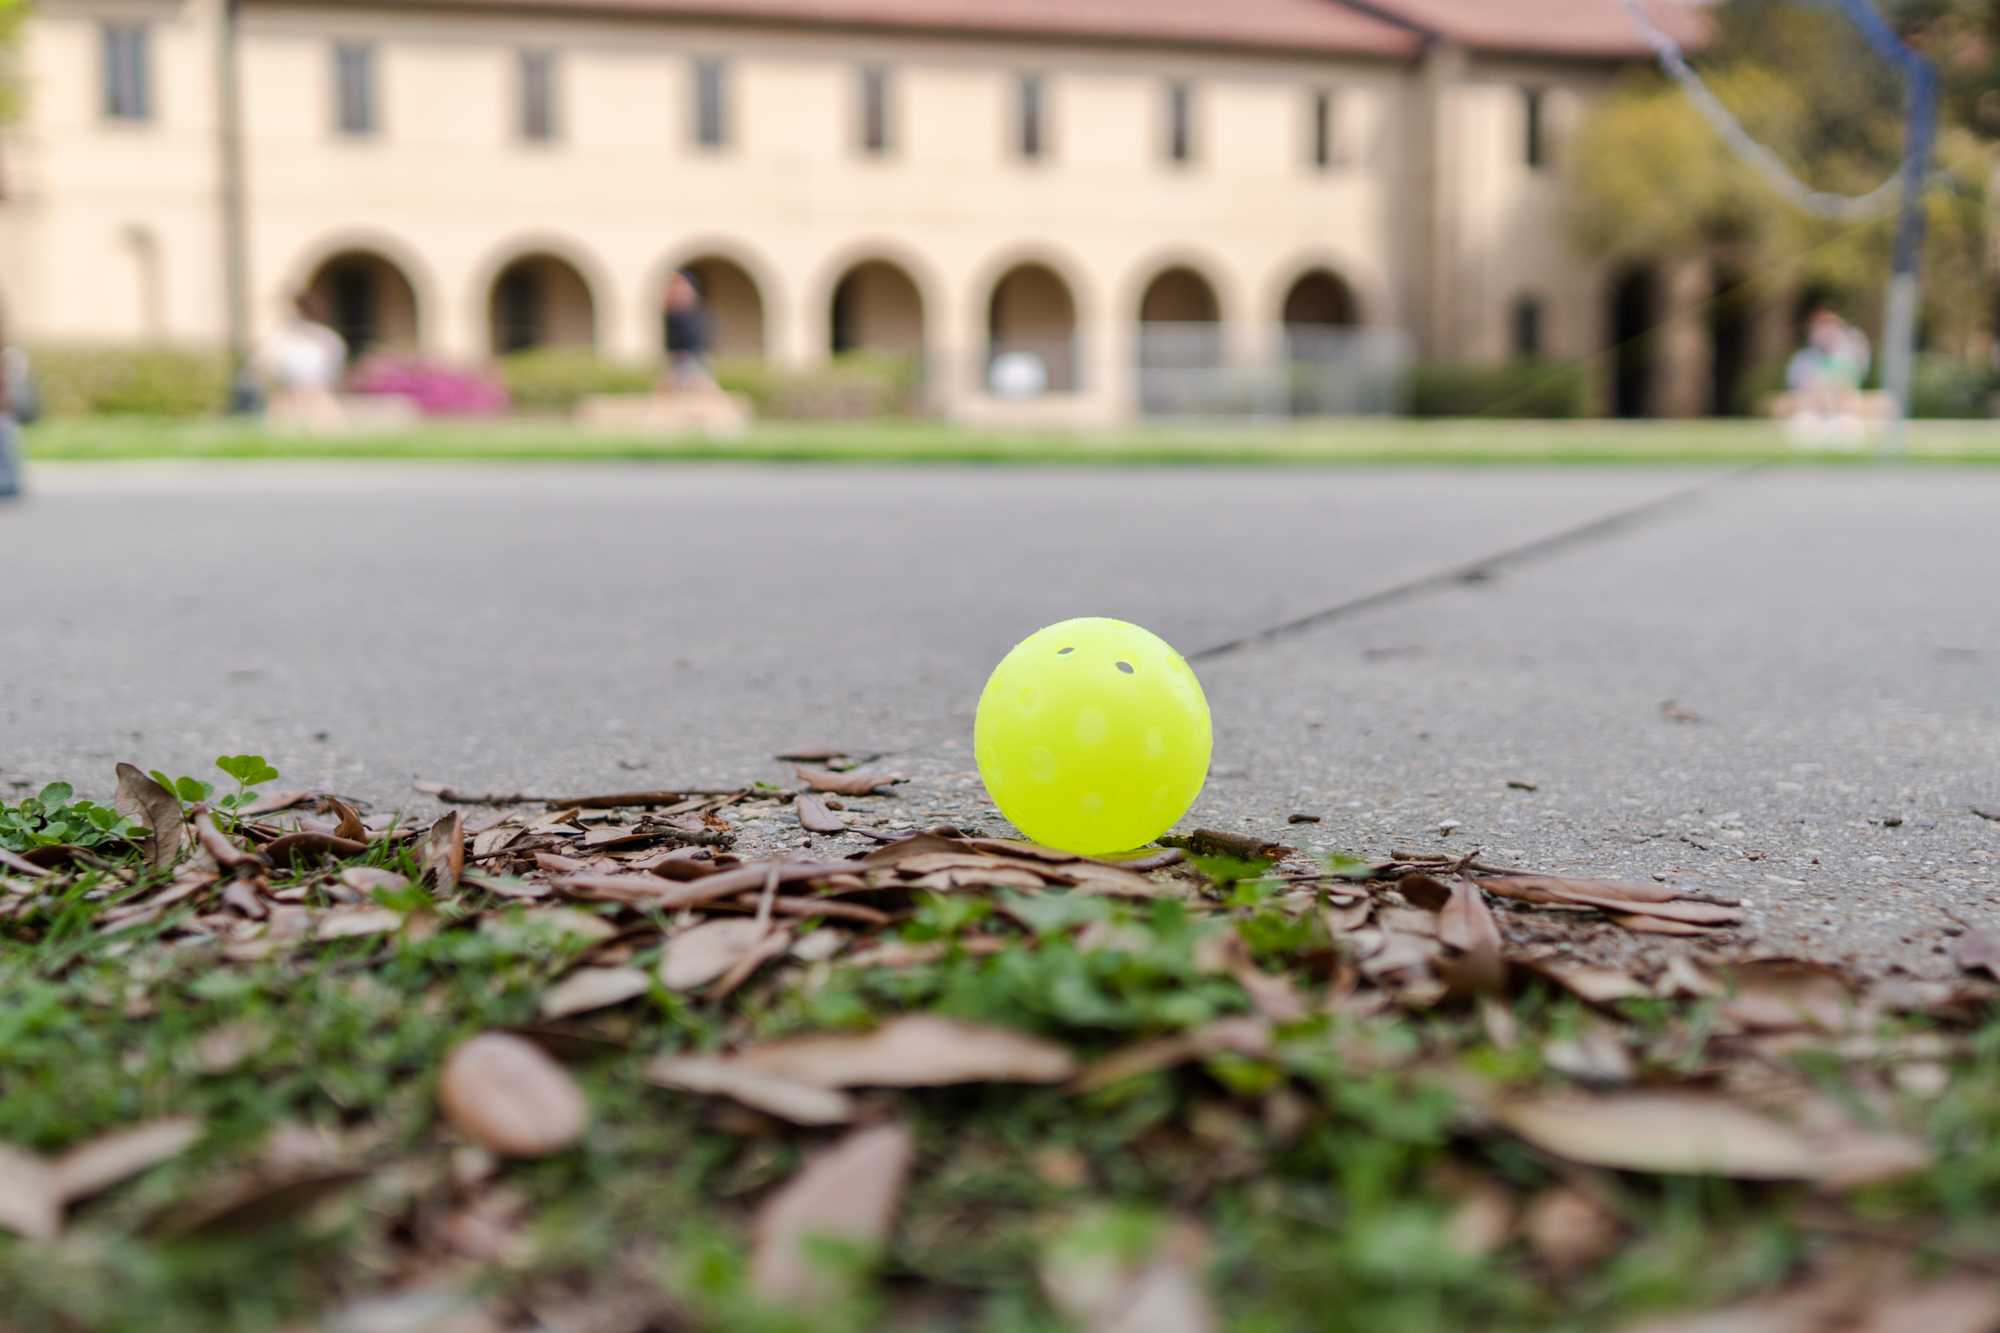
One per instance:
(1781, 685)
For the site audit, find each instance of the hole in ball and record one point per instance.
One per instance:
(1060, 652)
(1125, 667)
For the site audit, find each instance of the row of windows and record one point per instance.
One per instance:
(357, 102)
(355, 111)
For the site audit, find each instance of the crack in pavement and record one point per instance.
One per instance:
(1472, 571)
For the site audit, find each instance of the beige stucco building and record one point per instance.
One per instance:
(952, 178)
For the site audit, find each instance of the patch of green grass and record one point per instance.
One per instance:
(1320, 1176)
(1359, 441)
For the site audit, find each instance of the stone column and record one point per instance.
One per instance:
(1436, 169)
(1683, 357)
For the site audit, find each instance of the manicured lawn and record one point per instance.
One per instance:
(1373, 442)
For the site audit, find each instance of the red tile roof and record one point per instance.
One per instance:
(1394, 28)
(1595, 28)
(1308, 26)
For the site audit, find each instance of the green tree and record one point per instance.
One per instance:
(1651, 177)
(12, 12)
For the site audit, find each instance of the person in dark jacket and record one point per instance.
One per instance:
(687, 334)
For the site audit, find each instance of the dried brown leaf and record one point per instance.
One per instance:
(1595, 985)
(346, 923)
(21, 865)
(919, 1050)
(1965, 1304)
(701, 953)
(1786, 995)
(859, 782)
(1655, 925)
(348, 824)
(775, 944)
(1159, 1290)
(1483, 1219)
(850, 1193)
(1242, 1036)
(1596, 1055)
(1567, 888)
(273, 801)
(1568, 1230)
(1694, 1133)
(226, 854)
(1425, 890)
(101, 1163)
(524, 929)
(591, 988)
(297, 847)
(443, 854)
(31, 1197)
(368, 879)
(145, 801)
(618, 800)
(257, 1203)
(799, 1103)
(505, 1095)
(1466, 923)
(1979, 950)
(814, 817)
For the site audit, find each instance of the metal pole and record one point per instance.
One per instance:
(235, 227)
(1899, 334)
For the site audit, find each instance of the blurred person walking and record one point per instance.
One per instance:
(688, 335)
(302, 361)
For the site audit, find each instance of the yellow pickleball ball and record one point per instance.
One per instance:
(1093, 736)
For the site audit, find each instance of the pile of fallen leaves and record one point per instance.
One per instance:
(669, 892)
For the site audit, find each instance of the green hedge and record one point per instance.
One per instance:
(153, 381)
(556, 379)
(1502, 389)
(853, 386)
(1944, 387)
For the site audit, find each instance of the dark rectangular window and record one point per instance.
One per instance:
(1527, 329)
(1534, 131)
(1180, 122)
(874, 109)
(1031, 117)
(538, 96)
(128, 81)
(711, 123)
(354, 88)
(1322, 130)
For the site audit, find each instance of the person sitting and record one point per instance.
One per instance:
(1823, 403)
(302, 362)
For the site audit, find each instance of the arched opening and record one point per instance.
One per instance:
(1031, 334)
(1180, 342)
(1179, 296)
(876, 308)
(1320, 299)
(367, 300)
(734, 306)
(1318, 316)
(1731, 338)
(1635, 304)
(541, 301)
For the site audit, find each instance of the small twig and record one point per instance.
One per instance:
(764, 902)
